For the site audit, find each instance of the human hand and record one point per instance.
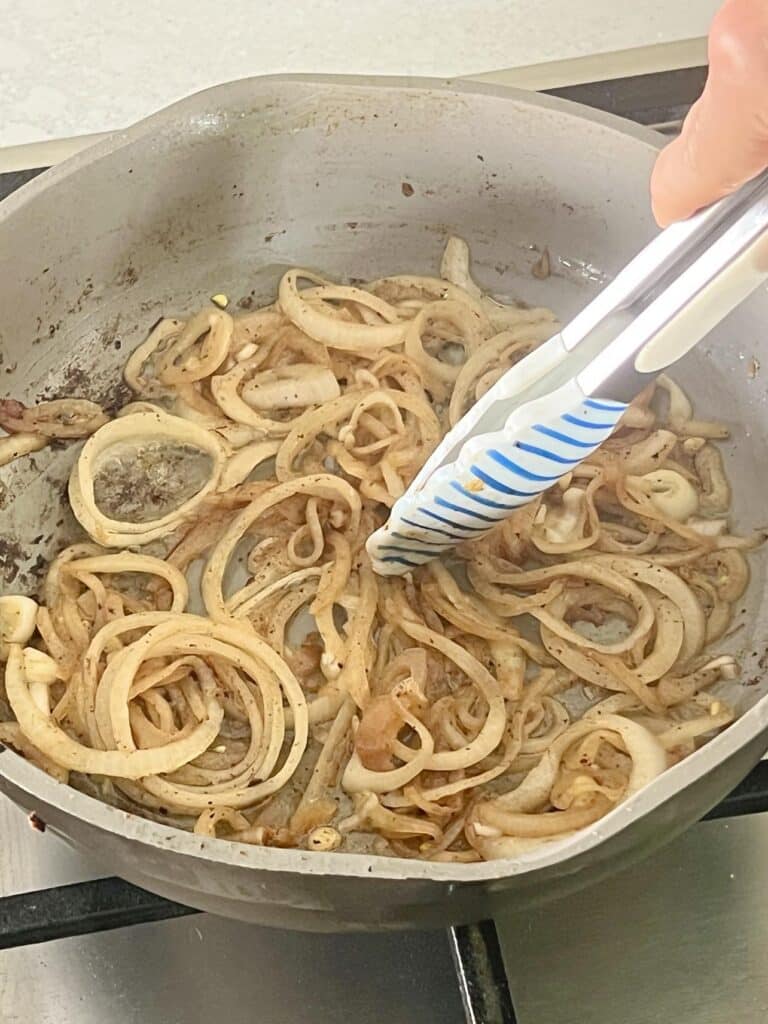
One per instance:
(724, 140)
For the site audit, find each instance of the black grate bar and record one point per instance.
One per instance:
(749, 797)
(655, 99)
(481, 975)
(11, 180)
(66, 910)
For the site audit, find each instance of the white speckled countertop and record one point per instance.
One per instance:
(73, 67)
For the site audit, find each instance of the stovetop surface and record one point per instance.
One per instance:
(682, 937)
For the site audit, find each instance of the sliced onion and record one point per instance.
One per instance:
(328, 329)
(322, 486)
(18, 445)
(141, 428)
(49, 738)
(291, 387)
(211, 331)
(63, 418)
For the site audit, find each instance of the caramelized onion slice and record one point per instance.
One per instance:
(65, 418)
(42, 730)
(141, 428)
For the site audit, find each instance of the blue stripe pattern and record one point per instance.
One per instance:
(576, 422)
(544, 454)
(515, 467)
(562, 438)
(408, 551)
(416, 540)
(434, 529)
(464, 511)
(483, 501)
(497, 485)
(449, 522)
(444, 512)
(618, 407)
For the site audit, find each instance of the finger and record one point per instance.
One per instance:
(724, 140)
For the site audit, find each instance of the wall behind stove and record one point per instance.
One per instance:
(70, 67)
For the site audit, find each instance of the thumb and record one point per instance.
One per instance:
(724, 140)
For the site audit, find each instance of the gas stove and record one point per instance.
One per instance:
(682, 936)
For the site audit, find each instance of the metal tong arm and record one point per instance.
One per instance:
(671, 294)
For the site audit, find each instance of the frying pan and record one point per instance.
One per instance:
(361, 177)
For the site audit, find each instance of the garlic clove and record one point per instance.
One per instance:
(40, 667)
(324, 838)
(18, 617)
(669, 491)
(565, 523)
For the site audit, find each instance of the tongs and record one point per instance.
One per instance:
(556, 406)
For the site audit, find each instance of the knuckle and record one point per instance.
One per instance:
(738, 44)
